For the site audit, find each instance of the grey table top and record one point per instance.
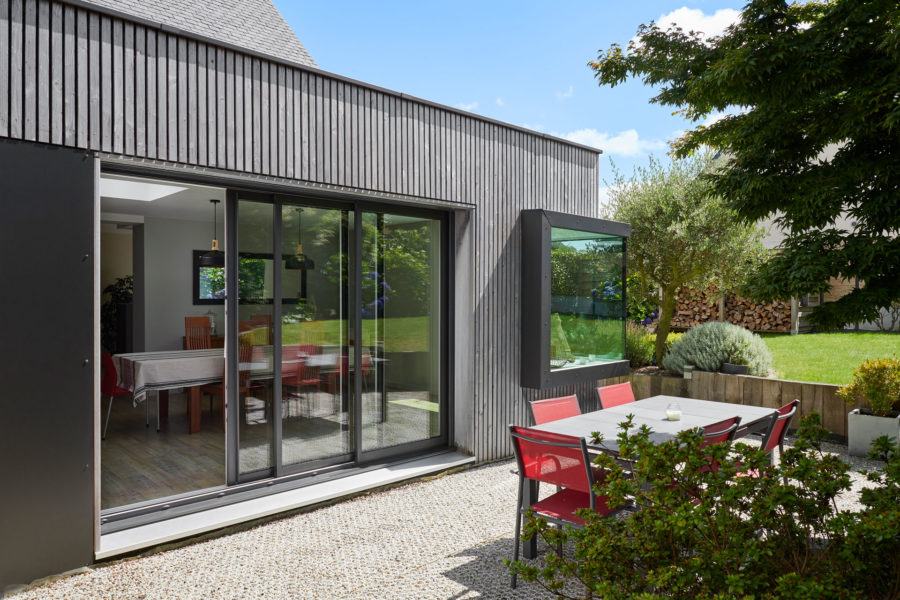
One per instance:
(652, 412)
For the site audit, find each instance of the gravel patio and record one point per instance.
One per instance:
(442, 538)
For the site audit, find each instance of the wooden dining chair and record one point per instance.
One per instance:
(554, 409)
(615, 395)
(259, 322)
(196, 333)
(560, 460)
(245, 356)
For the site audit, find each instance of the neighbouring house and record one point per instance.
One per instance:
(237, 285)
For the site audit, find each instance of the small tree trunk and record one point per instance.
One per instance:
(664, 325)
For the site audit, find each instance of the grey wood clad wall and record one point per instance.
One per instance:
(79, 78)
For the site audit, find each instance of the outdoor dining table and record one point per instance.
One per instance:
(651, 412)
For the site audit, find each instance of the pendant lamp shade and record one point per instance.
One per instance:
(299, 261)
(213, 257)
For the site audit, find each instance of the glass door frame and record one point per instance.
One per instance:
(357, 457)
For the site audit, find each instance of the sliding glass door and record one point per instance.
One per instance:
(270, 337)
(339, 332)
(315, 353)
(401, 330)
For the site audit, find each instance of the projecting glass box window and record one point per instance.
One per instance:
(573, 299)
(587, 312)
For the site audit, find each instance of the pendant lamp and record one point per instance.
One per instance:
(214, 257)
(299, 261)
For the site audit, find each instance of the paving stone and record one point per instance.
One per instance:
(442, 538)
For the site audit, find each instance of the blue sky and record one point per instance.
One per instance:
(519, 62)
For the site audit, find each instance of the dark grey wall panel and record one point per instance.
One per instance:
(133, 90)
(46, 371)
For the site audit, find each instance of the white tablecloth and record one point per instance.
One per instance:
(141, 372)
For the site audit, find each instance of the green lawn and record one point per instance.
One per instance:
(400, 334)
(827, 357)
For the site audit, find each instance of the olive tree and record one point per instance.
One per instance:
(683, 235)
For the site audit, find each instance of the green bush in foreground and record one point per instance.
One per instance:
(709, 345)
(709, 534)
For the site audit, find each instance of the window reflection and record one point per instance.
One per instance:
(587, 300)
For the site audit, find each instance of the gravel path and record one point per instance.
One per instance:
(444, 538)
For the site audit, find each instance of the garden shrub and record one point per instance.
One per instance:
(708, 345)
(708, 534)
(876, 383)
(638, 345)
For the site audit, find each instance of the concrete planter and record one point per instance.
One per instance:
(862, 429)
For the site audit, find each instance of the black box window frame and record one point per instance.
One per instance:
(537, 226)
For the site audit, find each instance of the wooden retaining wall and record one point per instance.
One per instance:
(753, 391)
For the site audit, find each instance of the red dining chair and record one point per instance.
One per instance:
(615, 395)
(779, 427)
(109, 386)
(560, 460)
(554, 409)
(718, 433)
(775, 434)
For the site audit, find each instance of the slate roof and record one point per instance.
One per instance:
(252, 24)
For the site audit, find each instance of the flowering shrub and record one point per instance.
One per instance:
(703, 534)
(876, 383)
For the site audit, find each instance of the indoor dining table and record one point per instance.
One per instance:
(146, 372)
(651, 412)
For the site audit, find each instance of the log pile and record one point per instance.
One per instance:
(696, 307)
(772, 316)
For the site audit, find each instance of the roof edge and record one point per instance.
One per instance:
(222, 44)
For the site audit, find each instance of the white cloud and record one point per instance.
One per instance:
(499, 101)
(533, 127)
(467, 106)
(694, 19)
(566, 94)
(624, 143)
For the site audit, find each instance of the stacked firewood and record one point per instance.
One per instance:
(694, 308)
(772, 316)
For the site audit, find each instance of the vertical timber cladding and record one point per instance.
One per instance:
(131, 89)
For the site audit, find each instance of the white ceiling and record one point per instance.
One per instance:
(190, 204)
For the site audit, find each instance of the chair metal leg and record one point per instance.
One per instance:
(157, 412)
(147, 409)
(518, 529)
(106, 426)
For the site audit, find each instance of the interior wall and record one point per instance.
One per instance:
(115, 254)
(168, 281)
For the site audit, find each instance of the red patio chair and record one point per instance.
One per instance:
(615, 395)
(779, 427)
(561, 460)
(718, 433)
(554, 409)
(775, 434)
(109, 386)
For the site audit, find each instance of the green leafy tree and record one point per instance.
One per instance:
(683, 235)
(812, 80)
